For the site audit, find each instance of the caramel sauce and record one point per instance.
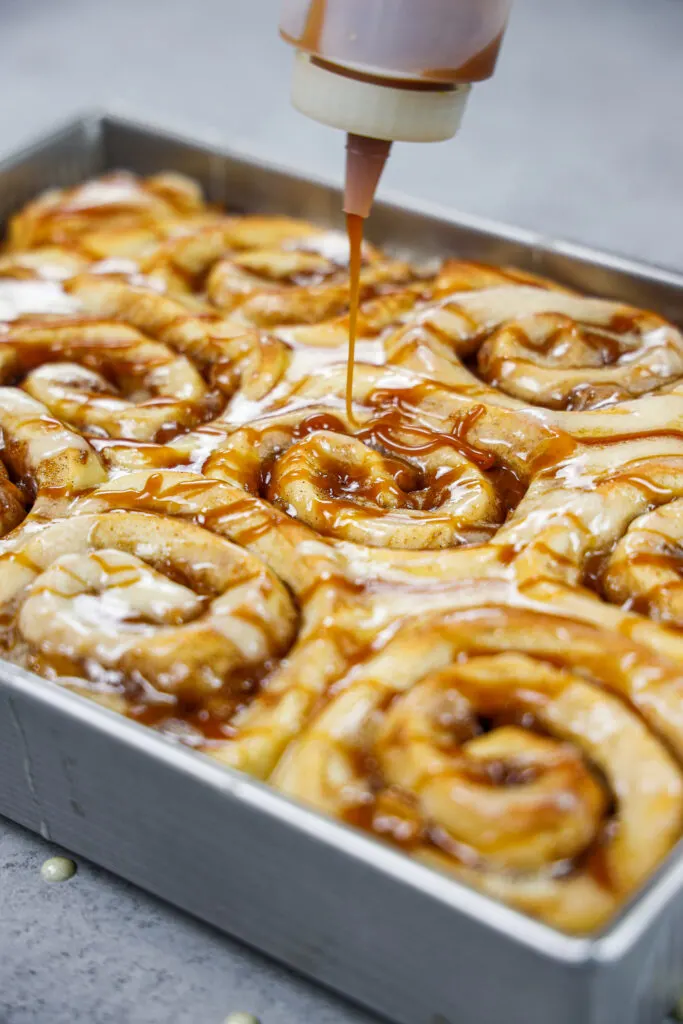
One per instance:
(552, 452)
(508, 486)
(211, 719)
(595, 861)
(594, 569)
(403, 445)
(354, 227)
(351, 485)
(384, 430)
(391, 815)
(318, 421)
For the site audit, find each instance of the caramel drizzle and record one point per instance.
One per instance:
(354, 225)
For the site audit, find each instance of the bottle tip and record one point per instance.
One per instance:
(365, 160)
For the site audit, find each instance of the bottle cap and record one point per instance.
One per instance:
(373, 105)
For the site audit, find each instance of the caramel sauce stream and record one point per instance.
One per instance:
(354, 228)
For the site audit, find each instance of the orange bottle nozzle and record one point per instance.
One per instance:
(365, 160)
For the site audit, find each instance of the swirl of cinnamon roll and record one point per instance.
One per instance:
(48, 263)
(431, 497)
(267, 288)
(594, 510)
(542, 347)
(41, 461)
(105, 378)
(272, 253)
(195, 253)
(161, 603)
(645, 570)
(464, 276)
(43, 455)
(318, 316)
(232, 256)
(230, 356)
(609, 516)
(282, 288)
(382, 482)
(173, 599)
(495, 742)
(597, 354)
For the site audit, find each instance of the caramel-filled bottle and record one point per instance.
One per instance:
(385, 71)
(391, 69)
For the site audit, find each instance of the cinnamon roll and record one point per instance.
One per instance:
(156, 602)
(105, 378)
(41, 452)
(542, 347)
(116, 215)
(493, 743)
(449, 614)
(175, 597)
(231, 356)
(645, 570)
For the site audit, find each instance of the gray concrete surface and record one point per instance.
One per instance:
(580, 135)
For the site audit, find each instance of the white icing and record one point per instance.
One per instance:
(57, 869)
(20, 297)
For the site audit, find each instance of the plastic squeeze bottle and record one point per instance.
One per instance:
(385, 71)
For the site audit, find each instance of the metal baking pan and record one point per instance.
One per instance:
(330, 902)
